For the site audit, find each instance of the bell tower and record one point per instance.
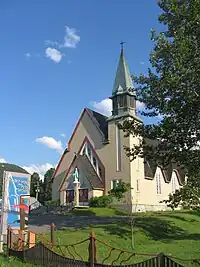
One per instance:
(123, 95)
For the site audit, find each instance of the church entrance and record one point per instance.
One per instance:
(83, 195)
(69, 196)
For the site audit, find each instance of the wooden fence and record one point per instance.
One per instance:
(43, 254)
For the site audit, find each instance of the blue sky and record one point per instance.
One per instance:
(58, 57)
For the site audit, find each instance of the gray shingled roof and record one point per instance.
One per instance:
(100, 121)
(150, 169)
(83, 162)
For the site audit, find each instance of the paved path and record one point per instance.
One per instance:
(41, 224)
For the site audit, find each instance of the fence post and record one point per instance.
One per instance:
(161, 259)
(92, 250)
(9, 239)
(52, 234)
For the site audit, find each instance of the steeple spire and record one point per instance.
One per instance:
(123, 96)
(123, 82)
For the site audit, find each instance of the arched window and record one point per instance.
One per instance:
(158, 183)
(175, 184)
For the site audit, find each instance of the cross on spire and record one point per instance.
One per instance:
(122, 44)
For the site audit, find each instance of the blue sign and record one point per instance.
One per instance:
(16, 186)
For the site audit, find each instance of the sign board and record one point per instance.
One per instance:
(15, 187)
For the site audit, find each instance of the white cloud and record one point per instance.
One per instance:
(54, 54)
(2, 160)
(51, 143)
(105, 106)
(140, 105)
(51, 43)
(28, 55)
(142, 63)
(63, 135)
(41, 169)
(71, 38)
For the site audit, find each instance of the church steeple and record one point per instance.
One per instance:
(123, 95)
(123, 81)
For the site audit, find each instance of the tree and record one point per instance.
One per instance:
(47, 186)
(35, 178)
(119, 191)
(171, 90)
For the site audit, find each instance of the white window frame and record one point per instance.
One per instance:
(117, 182)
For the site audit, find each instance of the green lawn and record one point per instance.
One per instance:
(174, 233)
(95, 212)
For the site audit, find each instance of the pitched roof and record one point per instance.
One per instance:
(90, 173)
(150, 167)
(83, 163)
(123, 81)
(100, 121)
(11, 168)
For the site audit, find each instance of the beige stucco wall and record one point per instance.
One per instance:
(97, 193)
(148, 195)
(108, 153)
(85, 128)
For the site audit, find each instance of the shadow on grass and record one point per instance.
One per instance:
(155, 228)
(81, 212)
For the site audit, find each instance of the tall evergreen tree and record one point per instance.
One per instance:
(48, 184)
(35, 178)
(171, 90)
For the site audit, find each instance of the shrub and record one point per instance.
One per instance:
(100, 202)
(52, 203)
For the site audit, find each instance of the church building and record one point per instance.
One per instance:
(96, 156)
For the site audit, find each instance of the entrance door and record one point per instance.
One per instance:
(69, 196)
(83, 195)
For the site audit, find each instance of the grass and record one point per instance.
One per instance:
(176, 234)
(95, 212)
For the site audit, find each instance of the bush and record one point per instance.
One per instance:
(52, 203)
(100, 202)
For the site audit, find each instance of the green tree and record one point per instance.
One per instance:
(120, 190)
(47, 186)
(171, 90)
(35, 178)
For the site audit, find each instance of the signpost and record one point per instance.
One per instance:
(15, 201)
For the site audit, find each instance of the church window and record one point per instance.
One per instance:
(115, 183)
(118, 148)
(132, 102)
(175, 185)
(89, 152)
(94, 162)
(138, 185)
(158, 183)
(84, 150)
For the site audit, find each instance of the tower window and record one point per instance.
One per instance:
(120, 101)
